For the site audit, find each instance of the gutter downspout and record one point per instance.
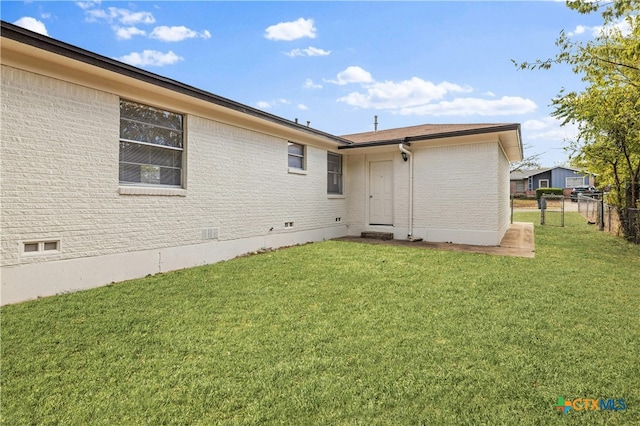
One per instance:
(410, 155)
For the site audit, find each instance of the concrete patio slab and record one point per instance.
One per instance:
(518, 241)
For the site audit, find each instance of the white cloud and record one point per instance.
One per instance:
(303, 107)
(124, 16)
(309, 51)
(547, 136)
(507, 105)
(176, 33)
(352, 75)
(536, 124)
(420, 97)
(129, 19)
(263, 104)
(405, 94)
(125, 33)
(32, 24)
(580, 29)
(309, 84)
(490, 94)
(84, 5)
(549, 128)
(271, 104)
(287, 31)
(151, 58)
(622, 26)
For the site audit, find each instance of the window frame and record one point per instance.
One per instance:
(153, 146)
(543, 180)
(566, 181)
(333, 174)
(302, 157)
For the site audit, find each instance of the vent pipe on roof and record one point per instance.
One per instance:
(296, 120)
(375, 123)
(308, 123)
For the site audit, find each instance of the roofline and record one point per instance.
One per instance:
(22, 35)
(467, 132)
(385, 142)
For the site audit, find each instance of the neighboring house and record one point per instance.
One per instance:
(110, 172)
(525, 182)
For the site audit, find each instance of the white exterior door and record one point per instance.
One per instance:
(381, 193)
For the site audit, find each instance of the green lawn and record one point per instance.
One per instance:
(340, 333)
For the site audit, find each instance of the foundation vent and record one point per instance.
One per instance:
(210, 234)
(41, 247)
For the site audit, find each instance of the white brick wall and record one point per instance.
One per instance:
(59, 174)
(504, 210)
(59, 181)
(455, 193)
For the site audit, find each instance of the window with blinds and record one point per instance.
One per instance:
(296, 156)
(151, 145)
(334, 173)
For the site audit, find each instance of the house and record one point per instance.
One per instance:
(525, 182)
(110, 172)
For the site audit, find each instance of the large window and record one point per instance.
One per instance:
(296, 156)
(572, 182)
(151, 145)
(334, 173)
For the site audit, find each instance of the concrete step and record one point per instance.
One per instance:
(377, 235)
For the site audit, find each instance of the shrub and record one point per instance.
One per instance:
(552, 191)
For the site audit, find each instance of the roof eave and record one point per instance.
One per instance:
(30, 38)
(514, 127)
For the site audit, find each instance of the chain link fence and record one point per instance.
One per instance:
(608, 219)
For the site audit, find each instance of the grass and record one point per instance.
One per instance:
(340, 333)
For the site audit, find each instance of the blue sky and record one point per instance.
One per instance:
(337, 64)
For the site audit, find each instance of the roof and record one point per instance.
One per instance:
(39, 41)
(524, 174)
(420, 131)
(508, 133)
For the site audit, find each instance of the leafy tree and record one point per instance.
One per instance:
(607, 111)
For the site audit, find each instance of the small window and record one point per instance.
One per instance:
(543, 183)
(519, 186)
(334, 173)
(572, 182)
(296, 156)
(151, 145)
